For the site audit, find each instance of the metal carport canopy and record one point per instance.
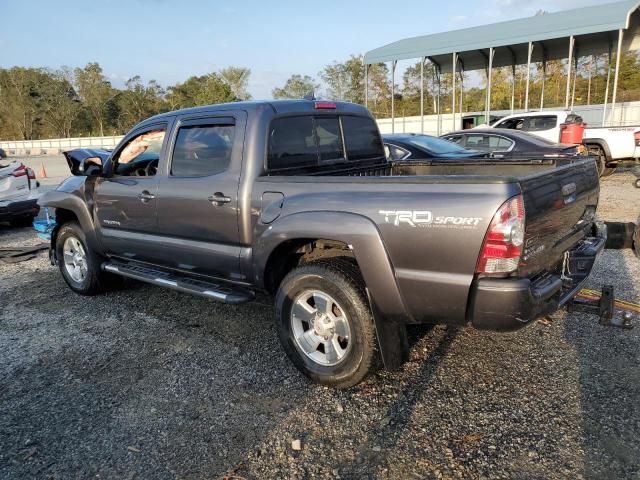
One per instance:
(595, 30)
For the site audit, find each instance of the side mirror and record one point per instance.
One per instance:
(91, 167)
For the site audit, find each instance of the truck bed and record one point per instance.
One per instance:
(462, 171)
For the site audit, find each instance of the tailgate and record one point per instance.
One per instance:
(560, 207)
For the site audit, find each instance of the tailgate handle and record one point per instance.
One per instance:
(568, 189)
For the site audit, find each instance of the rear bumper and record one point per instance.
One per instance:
(11, 209)
(511, 303)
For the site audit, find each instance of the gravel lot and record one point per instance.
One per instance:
(148, 383)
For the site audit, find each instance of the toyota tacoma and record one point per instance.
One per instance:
(296, 199)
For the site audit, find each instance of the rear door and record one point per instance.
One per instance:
(198, 196)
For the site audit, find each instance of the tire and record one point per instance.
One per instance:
(89, 278)
(337, 283)
(601, 159)
(608, 171)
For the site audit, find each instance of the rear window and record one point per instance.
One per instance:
(362, 138)
(308, 141)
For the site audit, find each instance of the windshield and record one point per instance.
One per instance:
(435, 145)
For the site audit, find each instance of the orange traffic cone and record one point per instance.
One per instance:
(43, 172)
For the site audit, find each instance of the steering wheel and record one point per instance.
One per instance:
(152, 168)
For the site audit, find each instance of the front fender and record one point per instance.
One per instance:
(69, 201)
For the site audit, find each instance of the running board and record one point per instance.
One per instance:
(216, 291)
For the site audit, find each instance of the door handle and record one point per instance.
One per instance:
(145, 196)
(219, 198)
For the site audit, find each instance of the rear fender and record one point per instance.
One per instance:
(363, 238)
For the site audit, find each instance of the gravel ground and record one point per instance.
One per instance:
(148, 383)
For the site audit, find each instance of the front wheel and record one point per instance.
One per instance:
(79, 265)
(325, 324)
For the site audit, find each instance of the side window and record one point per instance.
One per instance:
(512, 123)
(395, 153)
(202, 150)
(140, 155)
(459, 139)
(292, 143)
(478, 142)
(362, 138)
(539, 123)
(505, 144)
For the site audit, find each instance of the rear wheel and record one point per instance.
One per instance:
(325, 324)
(79, 265)
(601, 160)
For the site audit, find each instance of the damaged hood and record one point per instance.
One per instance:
(76, 157)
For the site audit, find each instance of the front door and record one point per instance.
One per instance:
(126, 198)
(198, 196)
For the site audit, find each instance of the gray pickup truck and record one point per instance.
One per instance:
(297, 200)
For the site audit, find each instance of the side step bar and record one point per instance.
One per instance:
(216, 291)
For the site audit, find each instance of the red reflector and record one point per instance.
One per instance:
(637, 137)
(325, 105)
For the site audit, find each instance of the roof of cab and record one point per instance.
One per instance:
(277, 106)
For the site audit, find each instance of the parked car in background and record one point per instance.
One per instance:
(512, 144)
(609, 144)
(18, 193)
(411, 146)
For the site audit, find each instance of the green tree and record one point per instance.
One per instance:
(20, 101)
(60, 103)
(296, 86)
(238, 80)
(137, 102)
(96, 92)
(204, 90)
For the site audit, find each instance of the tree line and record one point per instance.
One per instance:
(43, 103)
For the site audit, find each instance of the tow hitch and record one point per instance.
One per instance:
(604, 304)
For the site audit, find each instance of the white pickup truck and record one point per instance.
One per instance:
(609, 144)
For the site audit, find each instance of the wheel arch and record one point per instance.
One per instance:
(602, 143)
(69, 207)
(290, 235)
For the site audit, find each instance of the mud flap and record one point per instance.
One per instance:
(392, 339)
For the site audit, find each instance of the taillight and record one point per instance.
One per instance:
(637, 137)
(502, 245)
(21, 171)
(31, 174)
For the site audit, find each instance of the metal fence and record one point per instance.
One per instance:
(54, 146)
(627, 113)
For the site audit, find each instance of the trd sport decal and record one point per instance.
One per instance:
(425, 218)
